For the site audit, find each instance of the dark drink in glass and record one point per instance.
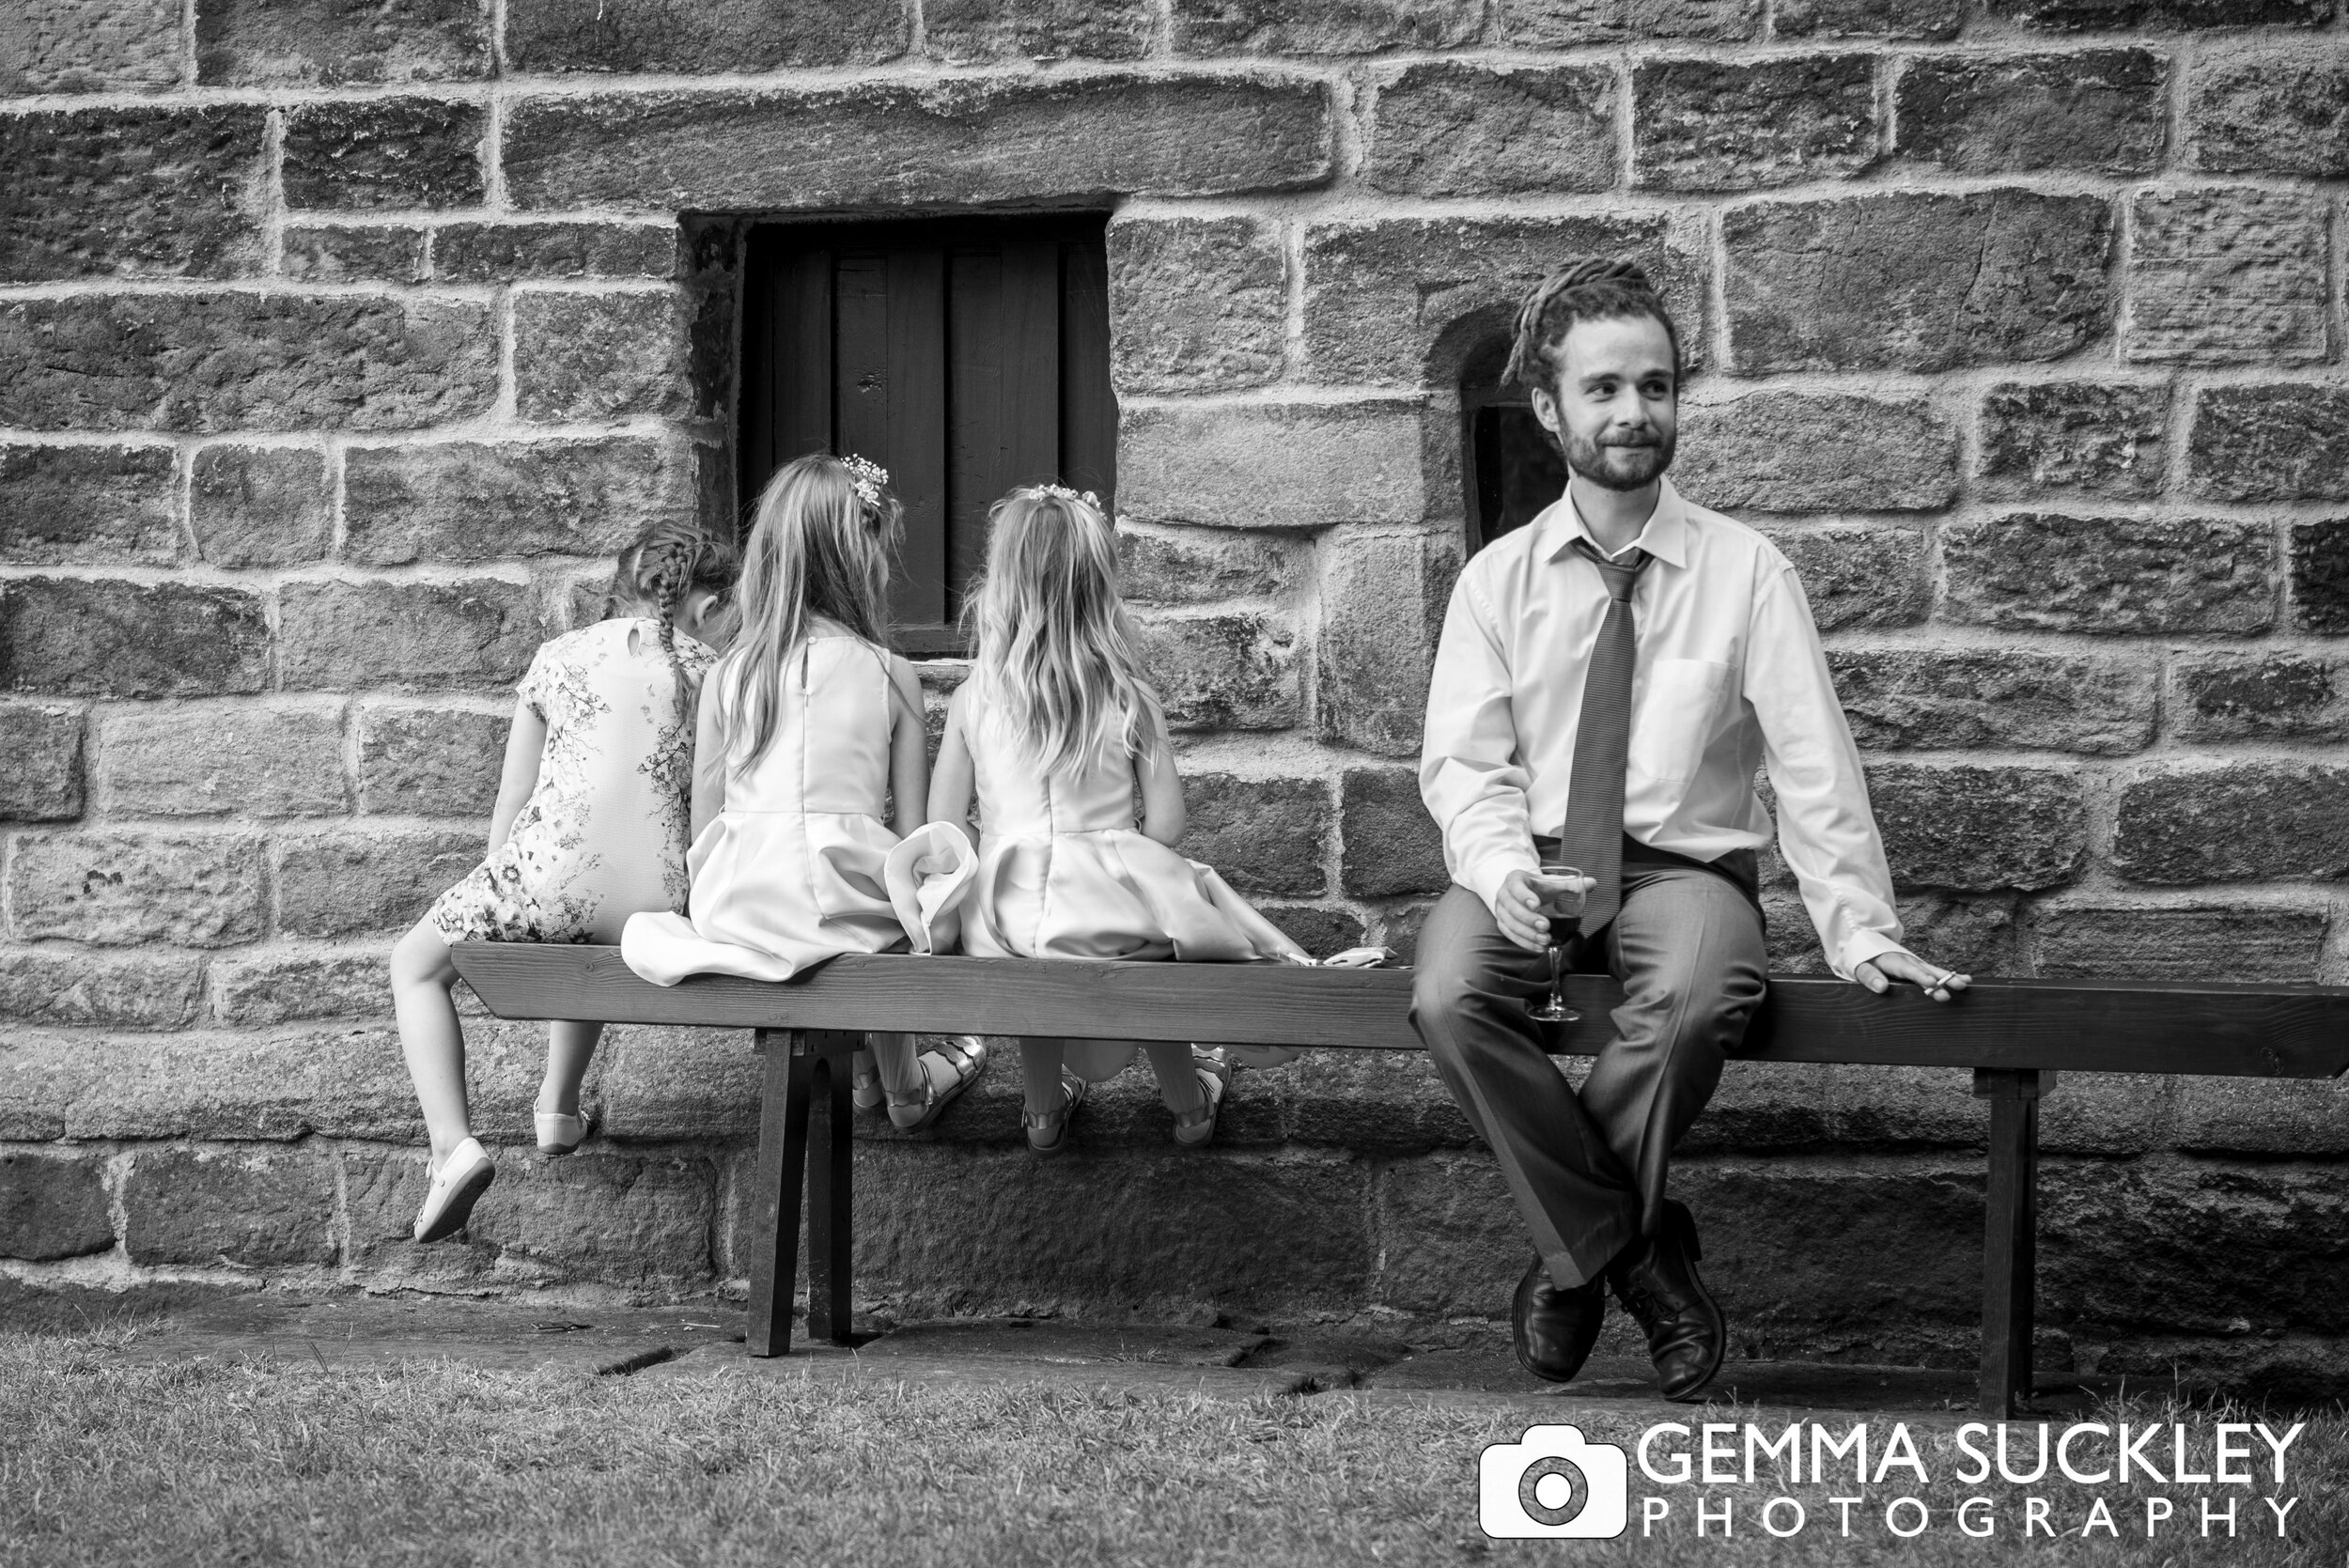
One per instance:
(1560, 888)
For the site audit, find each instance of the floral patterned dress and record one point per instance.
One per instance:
(603, 834)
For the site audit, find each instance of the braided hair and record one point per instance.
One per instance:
(1592, 289)
(669, 562)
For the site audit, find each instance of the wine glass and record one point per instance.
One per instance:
(1559, 887)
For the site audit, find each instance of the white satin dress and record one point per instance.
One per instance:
(799, 866)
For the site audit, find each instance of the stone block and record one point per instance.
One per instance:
(417, 761)
(1704, 125)
(253, 759)
(2270, 444)
(1448, 128)
(698, 1084)
(2228, 276)
(93, 637)
(1970, 934)
(71, 505)
(344, 883)
(501, 253)
(1189, 566)
(52, 1205)
(2222, 695)
(1979, 827)
(1245, 1231)
(1382, 607)
(729, 37)
(2108, 1113)
(1859, 577)
(2104, 110)
(1453, 1244)
(1565, 23)
(2064, 16)
(343, 1083)
(233, 1207)
(1375, 1103)
(1318, 928)
(1265, 835)
(1322, 26)
(1889, 1106)
(68, 987)
(2104, 437)
(1196, 304)
(1989, 698)
(388, 152)
(40, 762)
(603, 356)
(81, 46)
(1392, 846)
(474, 501)
(383, 1192)
(1761, 1105)
(1797, 452)
(296, 986)
(203, 362)
(1936, 19)
(614, 1218)
(2297, 1118)
(2271, 111)
(958, 140)
(131, 193)
(2204, 941)
(972, 31)
(124, 889)
(2040, 571)
(1399, 301)
(1915, 280)
(2320, 575)
(260, 506)
(2233, 822)
(1271, 465)
(354, 252)
(339, 636)
(246, 43)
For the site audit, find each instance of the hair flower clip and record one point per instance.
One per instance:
(1062, 492)
(867, 478)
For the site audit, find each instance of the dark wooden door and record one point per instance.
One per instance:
(965, 357)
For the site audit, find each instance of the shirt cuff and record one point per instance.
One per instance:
(1485, 875)
(1863, 947)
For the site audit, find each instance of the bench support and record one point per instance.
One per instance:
(804, 1130)
(2010, 1239)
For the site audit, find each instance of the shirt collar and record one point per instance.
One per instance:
(1665, 538)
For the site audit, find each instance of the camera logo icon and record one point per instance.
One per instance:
(1553, 1486)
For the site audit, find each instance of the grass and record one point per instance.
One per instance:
(109, 1462)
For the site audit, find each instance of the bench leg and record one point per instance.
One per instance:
(2010, 1241)
(783, 1118)
(831, 1142)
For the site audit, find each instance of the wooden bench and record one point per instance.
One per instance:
(2015, 1034)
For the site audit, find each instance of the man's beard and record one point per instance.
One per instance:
(1614, 466)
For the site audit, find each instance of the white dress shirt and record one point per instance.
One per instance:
(1730, 677)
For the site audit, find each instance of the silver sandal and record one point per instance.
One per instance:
(967, 1055)
(1055, 1123)
(1195, 1129)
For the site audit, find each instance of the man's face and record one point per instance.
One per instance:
(1615, 406)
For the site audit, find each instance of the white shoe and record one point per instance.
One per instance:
(559, 1131)
(457, 1185)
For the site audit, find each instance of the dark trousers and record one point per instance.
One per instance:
(1587, 1167)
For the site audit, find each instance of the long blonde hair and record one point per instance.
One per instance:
(820, 546)
(1055, 641)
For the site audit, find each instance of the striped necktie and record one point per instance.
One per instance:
(1593, 840)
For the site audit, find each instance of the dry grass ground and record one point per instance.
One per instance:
(104, 1460)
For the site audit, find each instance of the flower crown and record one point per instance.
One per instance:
(866, 477)
(1062, 492)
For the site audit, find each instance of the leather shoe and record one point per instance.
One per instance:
(1554, 1329)
(1656, 1279)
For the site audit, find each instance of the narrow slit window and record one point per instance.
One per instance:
(1512, 465)
(966, 357)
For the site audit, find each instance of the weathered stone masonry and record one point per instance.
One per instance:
(339, 343)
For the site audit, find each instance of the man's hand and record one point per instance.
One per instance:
(1517, 910)
(1879, 973)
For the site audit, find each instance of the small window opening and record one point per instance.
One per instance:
(1512, 465)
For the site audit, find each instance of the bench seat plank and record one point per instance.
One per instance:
(2074, 1026)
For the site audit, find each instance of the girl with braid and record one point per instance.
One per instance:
(591, 826)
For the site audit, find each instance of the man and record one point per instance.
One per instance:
(1610, 677)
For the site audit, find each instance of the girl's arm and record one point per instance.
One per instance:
(952, 783)
(525, 742)
(908, 753)
(1163, 815)
(710, 758)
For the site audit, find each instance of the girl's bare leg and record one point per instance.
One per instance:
(1179, 1080)
(893, 1059)
(429, 1035)
(571, 1045)
(1040, 1063)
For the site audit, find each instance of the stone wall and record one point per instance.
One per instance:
(339, 343)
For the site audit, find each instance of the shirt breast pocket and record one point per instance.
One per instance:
(1672, 721)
